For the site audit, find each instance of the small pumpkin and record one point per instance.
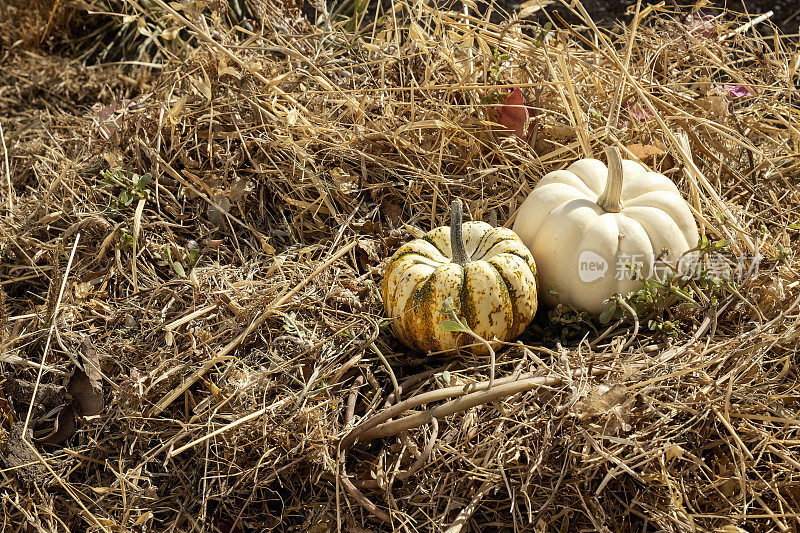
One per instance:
(488, 272)
(596, 231)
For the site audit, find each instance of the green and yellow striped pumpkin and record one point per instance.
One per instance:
(488, 272)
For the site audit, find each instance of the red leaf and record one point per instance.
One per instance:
(736, 91)
(226, 526)
(513, 114)
(701, 23)
(637, 111)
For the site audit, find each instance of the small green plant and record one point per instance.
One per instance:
(494, 97)
(350, 12)
(563, 323)
(782, 255)
(669, 328)
(125, 239)
(133, 188)
(456, 325)
(356, 14)
(708, 280)
(175, 265)
(542, 35)
(497, 76)
(293, 327)
(708, 246)
(385, 322)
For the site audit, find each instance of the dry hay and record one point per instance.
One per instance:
(232, 300)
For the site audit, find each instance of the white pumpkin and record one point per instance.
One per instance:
(487, 271)
(596, 231)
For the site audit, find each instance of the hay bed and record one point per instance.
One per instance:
(287, 163)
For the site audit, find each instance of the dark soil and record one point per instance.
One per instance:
(786, 12)
(786, 15)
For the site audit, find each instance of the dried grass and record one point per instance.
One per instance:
(241, 396)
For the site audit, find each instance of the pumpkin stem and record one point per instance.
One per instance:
(611, 199)
(457, 244)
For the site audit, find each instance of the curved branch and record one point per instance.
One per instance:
(372, 484)
(351, 399)
(411, 381)
(635, 318)
(380, 425)
(365, 502)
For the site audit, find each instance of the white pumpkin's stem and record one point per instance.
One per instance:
(457, 244)
(611, 199)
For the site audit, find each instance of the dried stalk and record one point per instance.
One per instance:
(380, 425)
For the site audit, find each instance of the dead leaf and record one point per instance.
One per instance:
(559, 130)
(714, 103)
(344, 181)
(266, 247)
(532, 6)
(607, 407)
(109, 119)
(225, 526)
(82, 290)
(371, 249)
(114, 158)
(643, 151)
(730, 528)
(91, 363)
(292, 117)
(393, 212)
(170, 33)
(322, 525)
(216, 213)
(416, 33)
(203, 85)
(141, 26)
(368, 253)
(63, 427)
(175, 112)
(346, 297)
(674, 452)
(239, 188)
(144, 517)
(88, 398)
(415, 232)
(107, 125)
(603, 399)
(230, 71)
